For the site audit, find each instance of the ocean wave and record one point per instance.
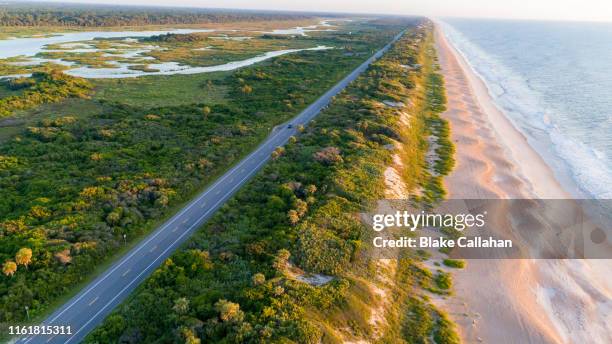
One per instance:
(535, 119)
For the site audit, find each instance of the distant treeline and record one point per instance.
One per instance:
(173, 37)
(93, 16)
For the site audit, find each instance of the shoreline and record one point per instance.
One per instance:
(526, 300)
(537, 180)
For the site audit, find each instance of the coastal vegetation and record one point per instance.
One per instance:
(99, 163)
(41, 88)
(454, 263)
(58, 15)
(249, 274)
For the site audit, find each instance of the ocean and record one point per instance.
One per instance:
(553, 80)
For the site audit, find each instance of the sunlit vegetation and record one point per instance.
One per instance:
(41, 88)
(176, 38)
(454, 263)
(423, 322)
(78, 176)
(429, 134)
(15, 14)
(235, 280)
(14, 66)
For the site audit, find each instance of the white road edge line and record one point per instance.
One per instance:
(162, 254)
(172, 219)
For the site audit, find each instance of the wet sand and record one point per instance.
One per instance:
(513, 301)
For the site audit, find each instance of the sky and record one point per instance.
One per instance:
(584, 10)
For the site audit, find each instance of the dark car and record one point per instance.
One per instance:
(290, 126)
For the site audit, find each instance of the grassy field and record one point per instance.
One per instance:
(81, 108)
(155, 91)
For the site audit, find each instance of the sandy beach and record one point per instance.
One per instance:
(513, 301)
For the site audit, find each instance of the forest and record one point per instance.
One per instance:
(105, 161)
(287, 260)
(72, 15)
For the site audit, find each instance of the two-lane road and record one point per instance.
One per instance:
(89, 308)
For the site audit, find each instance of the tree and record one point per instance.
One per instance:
(39, 212)
(278, 151)
(203, 258)
(9, 268)
(258, 279)
(162, 201)
(206, 111)
(293, 216)
(24, 257)
(246, 89)
(301, 207)
(328, 156)
(311, 189)
(181, 306)
(229, 311)
(114, 216)
(96, 157)
(63, 256)
(189, 336)
(281, 259)
(278, 290)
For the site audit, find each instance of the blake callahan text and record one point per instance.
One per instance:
(442, 242)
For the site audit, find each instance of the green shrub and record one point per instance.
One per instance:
(454, 263)
(443, 280)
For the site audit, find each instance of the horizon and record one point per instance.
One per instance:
(544, 10)
(199, 171)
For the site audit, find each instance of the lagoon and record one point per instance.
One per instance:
(170, 68)
(27, 49)
(33, 45)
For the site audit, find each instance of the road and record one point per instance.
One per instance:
(95, 302)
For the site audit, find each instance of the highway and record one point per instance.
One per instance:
(96, 301)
